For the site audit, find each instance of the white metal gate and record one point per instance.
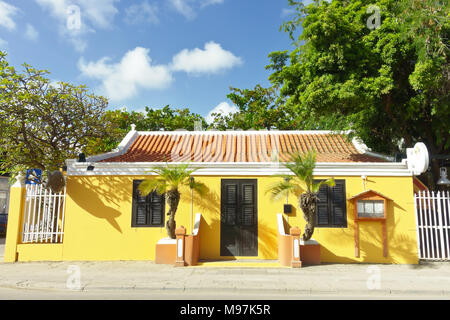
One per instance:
(433, 224)
(43, 216)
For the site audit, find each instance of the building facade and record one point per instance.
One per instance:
(105, 217)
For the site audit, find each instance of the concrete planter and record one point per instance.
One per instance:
(166, 251)
(310, 252)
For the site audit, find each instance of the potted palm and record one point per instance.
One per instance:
(168, 181)
(302, 184)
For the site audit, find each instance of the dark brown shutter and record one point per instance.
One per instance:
(322, 215)
(231, 204)
(338, 204)
(239, 220)
(331, 207)
(248, 205)
(147, 211)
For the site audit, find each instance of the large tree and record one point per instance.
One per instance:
(261, 108)
(43, 124)
(389, 80)
(153, 119)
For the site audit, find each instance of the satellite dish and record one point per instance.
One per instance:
(418, 158)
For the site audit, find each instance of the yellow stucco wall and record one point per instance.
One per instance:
(98, 223)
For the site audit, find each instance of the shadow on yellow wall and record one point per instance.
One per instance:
(400, 247)
(91, 196)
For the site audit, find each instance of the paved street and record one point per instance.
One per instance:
(146, 280)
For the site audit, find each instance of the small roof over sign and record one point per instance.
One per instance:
(369, 191)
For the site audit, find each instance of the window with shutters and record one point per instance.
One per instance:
(148, 211)
(332, 206)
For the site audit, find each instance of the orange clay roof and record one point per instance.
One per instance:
(239, 147)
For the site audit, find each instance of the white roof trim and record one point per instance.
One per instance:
(123, 147)
(242, 168)
(362, 148)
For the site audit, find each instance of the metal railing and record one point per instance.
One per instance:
(433, 224)
(43, 216)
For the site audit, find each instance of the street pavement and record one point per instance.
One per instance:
(147, 280)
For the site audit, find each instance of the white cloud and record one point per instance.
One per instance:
(206, 3)
(184, 8)
(212, 59)
(7, 11)
(79, 17)
(3, 44)
(31, 33)
(222, 108)
(142, 13)
(123, 80)
(78, 43)
(99, 13)
(188, 8)
(134, 72)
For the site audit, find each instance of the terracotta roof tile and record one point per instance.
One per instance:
(239, 147)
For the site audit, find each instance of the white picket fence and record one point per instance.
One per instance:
(43, 217)
(433, 224)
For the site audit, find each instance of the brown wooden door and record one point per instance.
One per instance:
(239, 218)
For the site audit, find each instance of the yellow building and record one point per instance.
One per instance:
(102, 217)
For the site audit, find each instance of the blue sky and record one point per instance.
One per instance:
(137, 53)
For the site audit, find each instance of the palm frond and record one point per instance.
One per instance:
(302, 166)
(282, 188)
(171, 177)
(154, 184)
(198, 187)
(316, 186)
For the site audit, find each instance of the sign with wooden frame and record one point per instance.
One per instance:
(370, 206)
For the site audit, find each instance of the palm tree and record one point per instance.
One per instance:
(169, 179)
(302, 166)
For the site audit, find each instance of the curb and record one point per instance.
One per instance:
(445, 294)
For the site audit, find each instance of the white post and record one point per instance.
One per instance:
(47, 216)
(41, 217)
(447, 229)
(62, 217)
(422, 224)
(441, 231)
(445, 221)
(28, 200)
(430, 237)
(33, 225)
(55, 228)
(416, 211)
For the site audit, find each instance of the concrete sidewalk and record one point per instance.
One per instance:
(332, 280)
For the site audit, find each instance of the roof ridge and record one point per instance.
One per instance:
(185, 132)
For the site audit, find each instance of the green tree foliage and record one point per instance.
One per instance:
(166, 119)
(391, 83)
(261, 108)
(42, 125)
(258, 109)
